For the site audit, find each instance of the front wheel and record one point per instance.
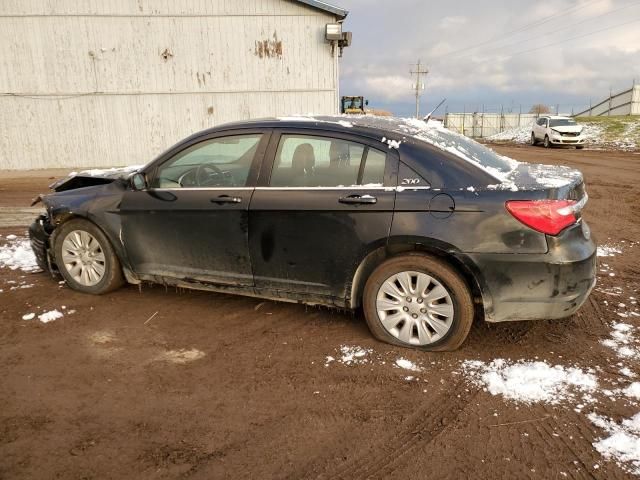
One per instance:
(579, 147)
(86, 259)
(547, 143)
(418, 301)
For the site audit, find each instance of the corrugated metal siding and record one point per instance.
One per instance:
(154, 7)
(116, 82)
(101, 130)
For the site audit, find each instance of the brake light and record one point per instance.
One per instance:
(546, 216)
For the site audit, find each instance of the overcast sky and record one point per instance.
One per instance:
(482, 52)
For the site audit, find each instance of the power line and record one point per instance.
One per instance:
(524, 27)
(566, 27)
(573, 38)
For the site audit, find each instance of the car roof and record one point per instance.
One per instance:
(390, 128)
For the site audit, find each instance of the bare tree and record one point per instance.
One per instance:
(539, 109)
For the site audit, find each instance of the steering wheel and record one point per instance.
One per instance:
(204, 175)
(208, 174)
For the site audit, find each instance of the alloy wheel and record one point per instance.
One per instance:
(415, 308)
(83, 258)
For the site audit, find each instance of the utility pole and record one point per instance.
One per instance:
(418, 85)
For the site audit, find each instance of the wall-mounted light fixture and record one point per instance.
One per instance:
(334, 35)
(333, 32)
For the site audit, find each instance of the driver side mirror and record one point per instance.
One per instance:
(138, 181)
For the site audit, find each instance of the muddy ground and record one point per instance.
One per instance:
(157, 383)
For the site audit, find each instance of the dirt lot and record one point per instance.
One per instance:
(217, 386)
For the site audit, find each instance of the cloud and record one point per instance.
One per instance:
(452, 22)
(489, 53)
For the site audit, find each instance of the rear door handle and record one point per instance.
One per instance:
(226, 199)
(358, 199)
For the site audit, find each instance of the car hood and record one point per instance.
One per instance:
(568, 129)
(88, 178)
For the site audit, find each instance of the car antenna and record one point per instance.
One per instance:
(427, 117)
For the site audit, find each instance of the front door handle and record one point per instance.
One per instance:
(226, 199)
(359, 200)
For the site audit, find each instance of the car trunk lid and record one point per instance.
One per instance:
(550, 197)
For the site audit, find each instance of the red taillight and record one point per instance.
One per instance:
(546, 216)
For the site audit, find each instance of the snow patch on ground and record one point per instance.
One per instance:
(407, 365)
(608, 250)
(354, 355)
(50, 316)
(623, 442)
(530, 382)
(622, 340)
(17, 254)
(633, 390)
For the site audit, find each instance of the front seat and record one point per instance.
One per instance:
(302, 164)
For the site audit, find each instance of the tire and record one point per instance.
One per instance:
(533, 140)
(418, 265)
(579, 147)
(72, 236)
(547, 143)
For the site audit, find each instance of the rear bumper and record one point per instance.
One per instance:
(539, 286)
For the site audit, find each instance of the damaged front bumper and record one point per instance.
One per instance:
(39, 233)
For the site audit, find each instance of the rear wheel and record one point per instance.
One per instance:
(86, 259)
(547, 143)
(418, 301)
(533, 139)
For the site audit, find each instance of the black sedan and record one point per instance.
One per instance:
(421, 227)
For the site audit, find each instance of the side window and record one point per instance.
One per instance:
(219, 162)
(310, 161)
(373, 172)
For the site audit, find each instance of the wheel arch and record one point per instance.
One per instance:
(461, 263)
(60, 217)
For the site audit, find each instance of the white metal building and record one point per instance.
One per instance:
(115, 82)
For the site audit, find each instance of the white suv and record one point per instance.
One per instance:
(552, 130)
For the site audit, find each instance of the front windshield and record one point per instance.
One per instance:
(562, 122)
(352, 103)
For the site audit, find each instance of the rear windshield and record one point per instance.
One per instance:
(467, 149)
(561, 122)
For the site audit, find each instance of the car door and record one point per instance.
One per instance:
(542, 131)
(191, 222)
(322, 202)
(537, 128)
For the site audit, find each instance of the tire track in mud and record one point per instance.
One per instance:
(572, 434)
(426, 424)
